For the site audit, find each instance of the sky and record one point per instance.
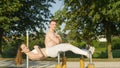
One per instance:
(56, 6)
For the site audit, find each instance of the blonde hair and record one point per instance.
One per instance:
(18, 59)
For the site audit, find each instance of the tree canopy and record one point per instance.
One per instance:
(86, 19)
(17, 16)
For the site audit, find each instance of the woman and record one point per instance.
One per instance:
(42, 53)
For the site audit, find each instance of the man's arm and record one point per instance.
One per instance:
(55, 38)
(58, 36)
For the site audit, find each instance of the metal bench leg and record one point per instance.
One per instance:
(58, 64)
(90, 65)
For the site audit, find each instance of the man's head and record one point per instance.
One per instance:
(52, 24)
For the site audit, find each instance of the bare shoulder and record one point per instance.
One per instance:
(48, 34)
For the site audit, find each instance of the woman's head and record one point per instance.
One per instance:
(24, 48)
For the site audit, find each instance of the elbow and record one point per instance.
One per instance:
(57, 41)
(31, 58)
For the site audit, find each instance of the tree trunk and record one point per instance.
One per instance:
(110, 51)
(108, 37)
(1, 34)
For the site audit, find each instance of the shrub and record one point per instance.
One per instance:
(115, 43)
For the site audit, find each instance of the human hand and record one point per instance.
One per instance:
(57, 35)
(36, 46)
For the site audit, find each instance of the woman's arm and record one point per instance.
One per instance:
(36, 54)
(38, 50)
(40, 53)
(33, 56)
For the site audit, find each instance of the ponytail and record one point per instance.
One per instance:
(18, 59)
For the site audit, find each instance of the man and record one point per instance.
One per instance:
(51, 38)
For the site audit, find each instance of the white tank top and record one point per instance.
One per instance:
(34, 51)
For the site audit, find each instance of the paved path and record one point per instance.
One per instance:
(51, 64)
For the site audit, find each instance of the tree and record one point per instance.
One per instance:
(90, 18)
(7, 10)
(20, 15)
(33, 15)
